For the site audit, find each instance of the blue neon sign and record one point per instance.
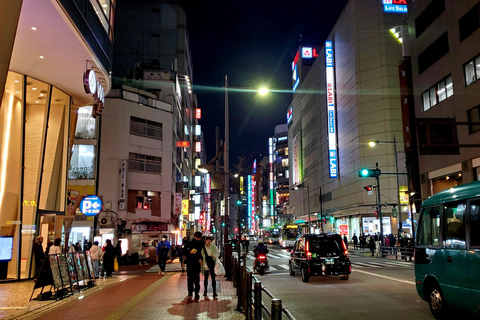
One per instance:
(91, 205)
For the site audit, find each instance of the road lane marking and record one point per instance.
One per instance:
(385, 277)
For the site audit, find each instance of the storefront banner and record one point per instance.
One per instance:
(343, 228)
(177, 203)
(185, 203)
(74, 195)
(371, 226)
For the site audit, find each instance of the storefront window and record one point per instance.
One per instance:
(82, 162)
(85, 128)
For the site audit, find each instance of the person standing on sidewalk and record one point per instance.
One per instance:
(96, 252)
(355, 241)
(118, 251)
(193, 252)
(162, 254)
(56, 249)
(108, 258)
(38, 253)
(210, 254)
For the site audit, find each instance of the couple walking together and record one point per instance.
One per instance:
(200, 257)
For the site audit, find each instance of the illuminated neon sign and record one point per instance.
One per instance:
(183, 144)
(249, 199)
(395, 6)
(295, 77)
(289, 115)
(332, 136)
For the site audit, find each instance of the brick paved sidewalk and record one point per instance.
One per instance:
(143, 296)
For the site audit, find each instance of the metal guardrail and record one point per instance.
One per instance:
(402, 253)
(250, 294)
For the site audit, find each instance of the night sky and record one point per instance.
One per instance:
(254, 43)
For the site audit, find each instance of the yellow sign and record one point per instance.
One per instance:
(185, 203)
(291, 226)
(403, 192)
(241, 185)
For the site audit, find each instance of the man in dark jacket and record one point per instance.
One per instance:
(193, 254)
(162, 253)
(38, 252)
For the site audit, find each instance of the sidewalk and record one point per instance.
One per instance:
(128, 295)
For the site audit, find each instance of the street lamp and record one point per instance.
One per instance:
(308, 204)
(262, 91)
(373, 143)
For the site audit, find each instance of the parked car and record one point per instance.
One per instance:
(320, 254)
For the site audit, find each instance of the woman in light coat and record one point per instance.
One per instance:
(96, 253)
(210, 254)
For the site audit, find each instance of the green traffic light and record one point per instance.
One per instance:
(239, 202)
(223, 224)
(364, 172)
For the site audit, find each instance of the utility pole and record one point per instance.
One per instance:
(379, 206)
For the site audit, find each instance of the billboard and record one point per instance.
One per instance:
(332, 135)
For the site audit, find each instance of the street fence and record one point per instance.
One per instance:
(252, 294)
(402, 253)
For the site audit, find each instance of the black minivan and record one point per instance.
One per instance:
(320, 254)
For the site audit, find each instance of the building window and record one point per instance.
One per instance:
(85, 128)
(145, 128)
(82, 162)
(426, 18)
(144, 163)
(441, 91)
(433, 53)
(470, 22)
(472, 71)
(474, 116)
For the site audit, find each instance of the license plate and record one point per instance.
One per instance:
(262, 264)
(329, 261)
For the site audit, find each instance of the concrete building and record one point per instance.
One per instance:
(53, 53)
(151, 140)
(444, 68)
(346, 93)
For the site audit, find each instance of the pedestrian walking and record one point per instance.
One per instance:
(362, 241)
(38, 253)
(49, 245)
(109, 258)
(210, 254)
(56, 248)
(143, 254)
(162, 254)
(345, 240)
(181, 257)
(118, 252)
(355, 241)
(371, 245)
(96, 253)
(193, 252)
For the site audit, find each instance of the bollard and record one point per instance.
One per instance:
(276, 309)
(240, 285)
(248, 296)
(257, 302)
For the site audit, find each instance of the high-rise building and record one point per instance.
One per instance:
(56, 65)
(151, 139)
(345, 94)
(441, 74)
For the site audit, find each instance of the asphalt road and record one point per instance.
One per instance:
(377, 288)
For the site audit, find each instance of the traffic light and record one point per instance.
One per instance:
(366, 173)
(239, 202)
(332, 220)
(369, 189)
(324, 220)
(223, 224)
(376, 214)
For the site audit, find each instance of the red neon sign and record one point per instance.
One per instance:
(183, 144)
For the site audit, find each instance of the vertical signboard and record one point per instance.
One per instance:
(297, 159)
(251, 222)
(177, 203)
(271, 155)
(332, 134)
(123, 185)
(249, 198)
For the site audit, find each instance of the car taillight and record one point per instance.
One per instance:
(262, 257)
(345, 251)
(308, 254)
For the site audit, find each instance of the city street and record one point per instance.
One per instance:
(376, 286)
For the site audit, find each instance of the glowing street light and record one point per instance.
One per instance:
(263, 91)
